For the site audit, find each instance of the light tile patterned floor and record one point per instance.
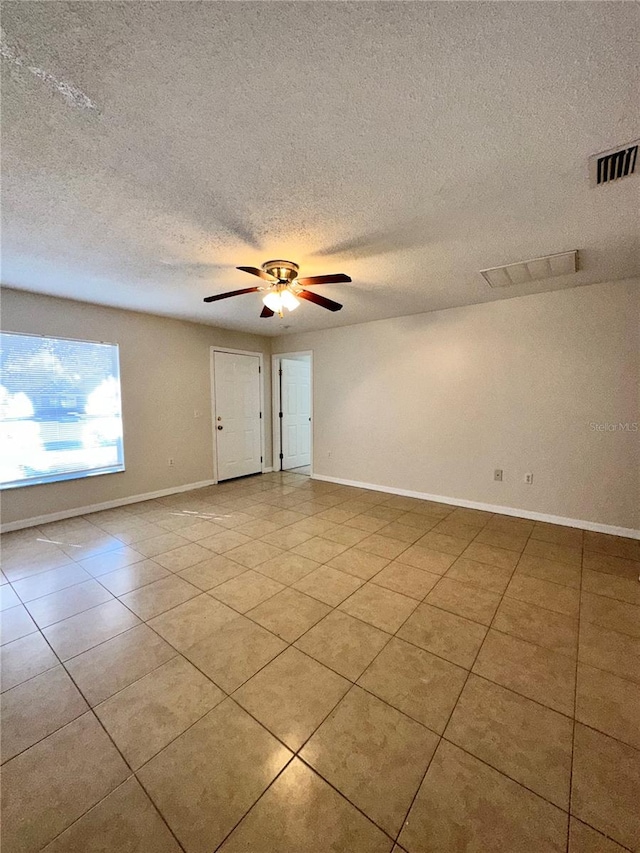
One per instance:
(282, 665)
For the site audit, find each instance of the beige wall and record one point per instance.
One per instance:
(164, 366)
(430, 403)
(435, 402)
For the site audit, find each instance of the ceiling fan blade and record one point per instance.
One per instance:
(329, 304)
(323, 279)
(230, 293)
(267, 312)
(260, 273)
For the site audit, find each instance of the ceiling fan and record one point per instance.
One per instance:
(284, 289)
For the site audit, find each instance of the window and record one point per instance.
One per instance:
(60, 412)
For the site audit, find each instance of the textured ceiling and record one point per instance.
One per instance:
(149, 148)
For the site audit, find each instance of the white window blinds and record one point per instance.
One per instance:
(60, 410)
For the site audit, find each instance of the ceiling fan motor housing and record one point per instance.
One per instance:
(284, 271)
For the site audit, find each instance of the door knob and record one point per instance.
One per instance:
(220, 426)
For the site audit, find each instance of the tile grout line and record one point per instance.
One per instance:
(154, 806)
(254, 804)
(506, 775)
(575, 703)
(181, 654)
(95, 716)
(355, 684)
(115, 745)
(101, 725)
(295, 752)
(289, 644)
(370, 580)
(202, 592)
(344, 797)
(469, 671)
(145, 558)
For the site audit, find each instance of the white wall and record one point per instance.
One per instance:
(164, 366)
(435, 402)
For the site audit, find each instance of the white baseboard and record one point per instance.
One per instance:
(628, 532)
(595, 526)
(85, 510)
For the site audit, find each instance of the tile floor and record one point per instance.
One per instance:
(280, 664)
(301, 469)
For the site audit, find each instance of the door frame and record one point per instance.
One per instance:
(214, 439)
(275, 404)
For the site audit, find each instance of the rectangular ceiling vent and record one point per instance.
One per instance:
(536, 269)
(612, 165)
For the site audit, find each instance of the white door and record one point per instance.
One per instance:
(296, 412)
(237, 408)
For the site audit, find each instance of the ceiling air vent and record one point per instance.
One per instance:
(536, 269)
(612, 165)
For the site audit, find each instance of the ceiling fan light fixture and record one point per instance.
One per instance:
(273, 301)
(278, 300)
(289, 301)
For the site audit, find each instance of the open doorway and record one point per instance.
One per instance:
(292, 408)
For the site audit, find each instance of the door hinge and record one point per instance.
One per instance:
(261, 415)
(282, 456)
(261, 458)
(280, 372)
(259, 369)
(280, 415)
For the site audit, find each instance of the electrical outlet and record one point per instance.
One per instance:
(497, 475)
(528, 478)
(172, 462)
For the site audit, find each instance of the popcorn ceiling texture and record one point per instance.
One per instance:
(72, 95)
(149, 148)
